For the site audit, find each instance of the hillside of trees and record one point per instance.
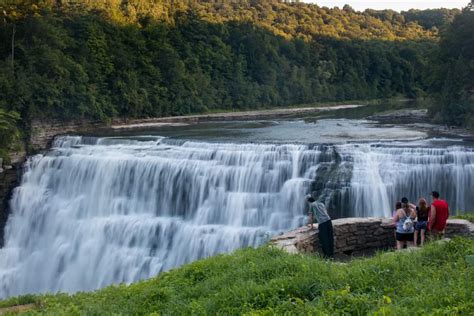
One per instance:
(87, 59)
(454, 73)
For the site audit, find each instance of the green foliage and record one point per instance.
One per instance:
(98, 60)
(431, 18)
(437, 279)
(467, 216)
(454, 73)
(9, 132)
(19, 300)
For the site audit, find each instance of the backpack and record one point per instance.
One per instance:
(408, 224)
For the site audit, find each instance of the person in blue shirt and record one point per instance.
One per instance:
(319, 211)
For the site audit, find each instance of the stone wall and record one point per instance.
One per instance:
(353, 236)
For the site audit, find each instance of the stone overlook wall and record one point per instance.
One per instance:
(354, 236)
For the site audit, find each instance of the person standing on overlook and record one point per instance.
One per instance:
(422, 211)
(325, 230)
(438, 216)
(403, 220)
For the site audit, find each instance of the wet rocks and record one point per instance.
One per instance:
(9, 179)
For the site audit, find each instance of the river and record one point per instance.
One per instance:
(123, 206)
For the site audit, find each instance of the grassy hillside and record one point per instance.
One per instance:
(438, 279)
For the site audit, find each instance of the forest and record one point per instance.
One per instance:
(99, 60)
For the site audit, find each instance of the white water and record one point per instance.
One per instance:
(98, 211)
(382, 175)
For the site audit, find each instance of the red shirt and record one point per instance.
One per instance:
(442, 214)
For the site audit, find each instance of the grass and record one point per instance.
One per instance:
(467, 216)
(438, 280)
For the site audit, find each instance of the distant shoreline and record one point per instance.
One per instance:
(226, 116)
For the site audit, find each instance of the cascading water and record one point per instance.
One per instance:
(382, 175)
(97, 211)
(122, 210)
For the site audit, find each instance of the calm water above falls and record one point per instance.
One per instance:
(96, 211)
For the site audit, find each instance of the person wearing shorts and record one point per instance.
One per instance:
(403, 219)
(422, 211)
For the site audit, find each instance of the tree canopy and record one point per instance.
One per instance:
(85, 59)
(454, 72)
(147, 58)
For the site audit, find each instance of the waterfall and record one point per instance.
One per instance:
(97, 211)
(382, 175)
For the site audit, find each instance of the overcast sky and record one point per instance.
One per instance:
(400, 5)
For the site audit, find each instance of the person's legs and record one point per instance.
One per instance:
(331, 240)
(435, 235)
(322, 237)
(326, 238)
(399, 245)
(400, 241)
(422, 236)
(410, 239)
(395, 237)
(415, 238)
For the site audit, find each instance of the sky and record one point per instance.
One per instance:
(400, 5)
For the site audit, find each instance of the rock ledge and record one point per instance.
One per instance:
(356, 235)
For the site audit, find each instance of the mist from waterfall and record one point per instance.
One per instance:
(97, 211)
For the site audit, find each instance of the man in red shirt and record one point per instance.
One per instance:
(439, 214)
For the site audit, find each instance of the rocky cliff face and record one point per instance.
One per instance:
(43, 132)
(9, 179)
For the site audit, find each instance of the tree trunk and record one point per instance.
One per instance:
(13, 48)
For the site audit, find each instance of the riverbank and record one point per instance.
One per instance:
(229, 116)
(419, 118)
(42, 132)
(269, 281)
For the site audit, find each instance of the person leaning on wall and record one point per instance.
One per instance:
(325, 230)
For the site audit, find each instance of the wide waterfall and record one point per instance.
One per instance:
(97, 211)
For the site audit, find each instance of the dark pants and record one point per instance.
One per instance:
(326, 238)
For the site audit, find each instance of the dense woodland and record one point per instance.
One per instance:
(453, 84)
(88, 59)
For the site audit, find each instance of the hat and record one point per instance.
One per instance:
(404, 200)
